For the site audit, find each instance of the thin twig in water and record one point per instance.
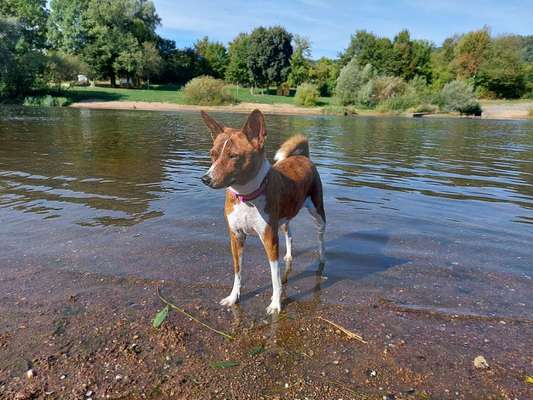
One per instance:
(348, 333)
(181, 310)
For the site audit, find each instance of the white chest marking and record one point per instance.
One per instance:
(249, 217)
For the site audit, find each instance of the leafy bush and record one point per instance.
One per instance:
(459, 96)
(351, 80)
(45, 101)
(397, 103)
(425, 108)
(207, 91)
(307, 94)
(386, 87)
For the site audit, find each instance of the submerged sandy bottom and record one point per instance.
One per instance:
(89, 332)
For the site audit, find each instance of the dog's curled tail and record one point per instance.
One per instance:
(297, 145)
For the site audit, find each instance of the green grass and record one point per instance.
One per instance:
(170, 94)
(163, 94)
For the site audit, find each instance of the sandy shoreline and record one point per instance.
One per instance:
(491, 110)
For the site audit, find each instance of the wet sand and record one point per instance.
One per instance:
(87, 334)
(491, 110)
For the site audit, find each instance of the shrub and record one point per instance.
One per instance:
(459, 96)
(397, 103)
(307, 94)
(284, 89)
(45, 101)
(386, 87)
(425, 108)
(206, 90)
(351, 80)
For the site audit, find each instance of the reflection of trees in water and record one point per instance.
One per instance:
(111, 162)
(449, 158)
(118, 164)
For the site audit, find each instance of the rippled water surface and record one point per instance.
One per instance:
(440, 209)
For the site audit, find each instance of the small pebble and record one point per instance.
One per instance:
(118, 377)
(480, 362)
(30, 374)
(89, 393)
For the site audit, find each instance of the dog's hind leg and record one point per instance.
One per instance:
(288, 255)
(237, 246)
(316, 208)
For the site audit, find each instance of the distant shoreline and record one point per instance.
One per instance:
(491, 109)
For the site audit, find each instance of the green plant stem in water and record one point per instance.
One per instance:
(181, 310)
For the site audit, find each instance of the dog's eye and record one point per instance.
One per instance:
(234, 156)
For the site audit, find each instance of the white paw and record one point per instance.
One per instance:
(274, 308)
(229, 301)
(288, 260)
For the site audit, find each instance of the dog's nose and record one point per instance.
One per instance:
(206, 179)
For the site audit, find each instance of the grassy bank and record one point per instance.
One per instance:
(171, 97)
(170, 94)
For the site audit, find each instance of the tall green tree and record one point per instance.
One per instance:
(270, 51)
(31, 17)
(300, 64)
(470, 52)
(20, 64)
(369, 49)
(116, 30)
(215, 55)
(237, 70)
(502, 70)
(324, 74)
(441, 59)
(67, 28)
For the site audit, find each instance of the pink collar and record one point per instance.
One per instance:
(251, 196)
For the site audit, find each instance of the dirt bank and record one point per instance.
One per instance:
(238, 108)
(491, 110)
(85, 335)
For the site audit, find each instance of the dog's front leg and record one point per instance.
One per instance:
(237, 246)
(270, 242)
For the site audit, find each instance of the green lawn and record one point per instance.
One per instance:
(169, 94)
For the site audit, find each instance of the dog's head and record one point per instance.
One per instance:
(237, 154)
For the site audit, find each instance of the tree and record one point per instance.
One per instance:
(61, 67)
(300, 65)
(441, 68)
(150, 62)
(369, 49)
(116, 31)
(67, 29)
(402, 55)
(351, 81)
(20, 64)
(237, 70)
(31, 17)
(469, 53)
(215, 55)
(502, 70)
(270, 51)
(324, 74)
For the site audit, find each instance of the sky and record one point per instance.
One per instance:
(329, 23)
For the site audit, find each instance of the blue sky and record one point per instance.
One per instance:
(329, 24)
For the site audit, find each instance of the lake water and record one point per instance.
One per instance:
(429, 213)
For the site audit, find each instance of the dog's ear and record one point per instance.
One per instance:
(255, 129)
(215, 127)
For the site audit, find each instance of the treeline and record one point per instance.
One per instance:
(117, 39)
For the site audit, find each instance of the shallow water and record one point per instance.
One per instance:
(428, 213)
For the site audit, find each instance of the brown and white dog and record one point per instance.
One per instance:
(261, 198)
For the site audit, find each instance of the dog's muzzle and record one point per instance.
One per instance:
(206, 179)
